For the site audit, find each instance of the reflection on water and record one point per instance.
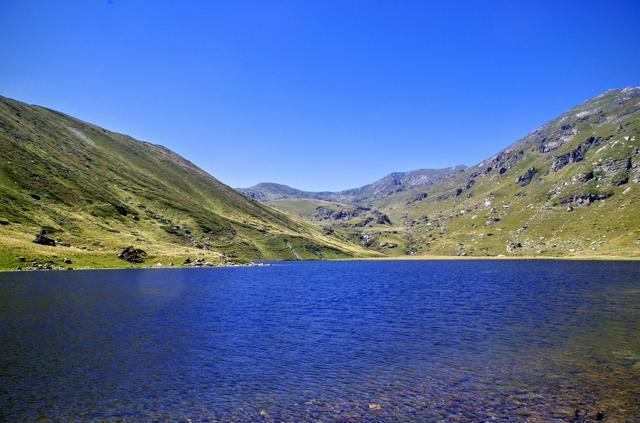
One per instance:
(337, 341)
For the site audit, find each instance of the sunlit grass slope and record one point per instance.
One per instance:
(100, 191)
(569, 188)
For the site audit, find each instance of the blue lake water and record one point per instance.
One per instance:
(331, 341)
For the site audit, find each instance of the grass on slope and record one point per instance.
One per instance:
(101, 191)
(495, 211)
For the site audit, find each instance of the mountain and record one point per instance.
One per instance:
(568, 188)
(96, 191)
(391, 184)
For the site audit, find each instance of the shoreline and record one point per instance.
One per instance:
(76, 269)
(390, 258)
(497, 258)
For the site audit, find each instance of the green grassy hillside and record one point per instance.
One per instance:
(570, 188)
(100, 191)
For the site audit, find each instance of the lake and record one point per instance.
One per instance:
(337, 341)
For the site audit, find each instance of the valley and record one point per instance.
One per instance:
(570, 188)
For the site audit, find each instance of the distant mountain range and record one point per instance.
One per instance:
(391, 184)
(568, 188)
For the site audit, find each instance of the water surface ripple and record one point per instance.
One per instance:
(332, 341)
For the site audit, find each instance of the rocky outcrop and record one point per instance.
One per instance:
(254, 194)
(575, 155)
(584, 177)
(323, 212)
(363, 223)
(132, 254)
(583, 200)
(619, 180)
(417, 198)
(635, 171)
(470, 183)
(369, 215)
(383, 219)
(616, 170)
(526, 177)
(43, 239)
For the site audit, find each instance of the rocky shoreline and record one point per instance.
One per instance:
(49, 266)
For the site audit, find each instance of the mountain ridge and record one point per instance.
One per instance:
(386, 185)
(586, 158)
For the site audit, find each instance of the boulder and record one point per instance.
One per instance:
(513, 246)
(132, 254)
(585, 177)
(43, 239)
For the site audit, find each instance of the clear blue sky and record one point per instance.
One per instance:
(318, 94)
